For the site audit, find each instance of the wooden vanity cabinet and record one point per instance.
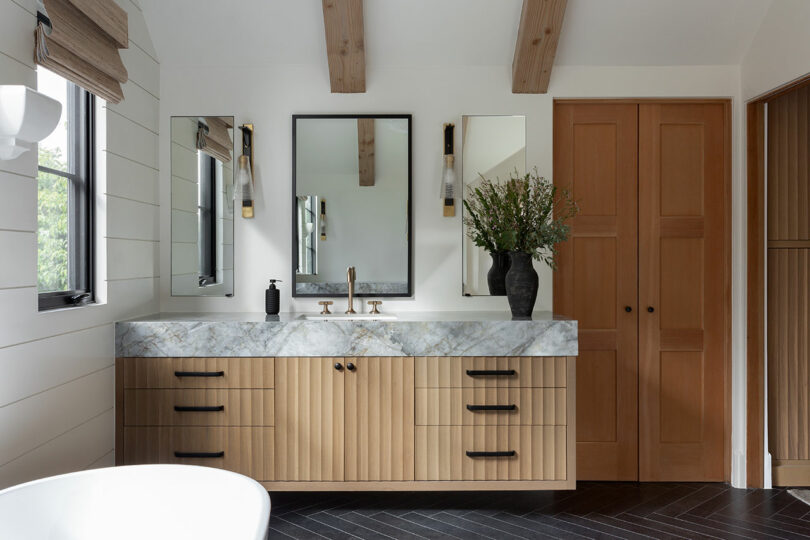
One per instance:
(362, 423)
(216, 412)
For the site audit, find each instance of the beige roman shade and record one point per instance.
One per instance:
(83, 44)
(213, 138)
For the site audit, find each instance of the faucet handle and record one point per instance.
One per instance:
(325, 304)
(375, 304)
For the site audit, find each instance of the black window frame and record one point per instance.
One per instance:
(81, 207)
(207, 212)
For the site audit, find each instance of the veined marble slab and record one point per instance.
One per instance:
(412, 334)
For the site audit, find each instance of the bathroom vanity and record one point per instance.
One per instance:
(427, 401)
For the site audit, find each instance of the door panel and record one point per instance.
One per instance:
(379, 419)
(595, 156)
(789, 287)
(309, 419)
(682, 291)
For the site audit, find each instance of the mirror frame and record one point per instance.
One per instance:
(294, 259)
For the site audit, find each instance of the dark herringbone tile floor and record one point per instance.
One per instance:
(594, 510)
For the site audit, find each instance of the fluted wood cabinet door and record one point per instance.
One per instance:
(596, 283)
(309, 416)
(379, 418)
(683, 291)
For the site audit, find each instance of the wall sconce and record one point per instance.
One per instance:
(245, 188)
(448, 173)
(25, 116)
(323, 219)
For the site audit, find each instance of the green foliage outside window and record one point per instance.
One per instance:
(52, 214)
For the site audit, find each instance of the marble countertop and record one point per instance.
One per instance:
(436, 333)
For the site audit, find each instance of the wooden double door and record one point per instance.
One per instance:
(646, 274)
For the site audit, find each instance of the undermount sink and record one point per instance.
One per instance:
(349, 317)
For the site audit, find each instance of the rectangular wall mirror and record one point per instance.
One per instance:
(351, 204)
(493, 147)
(202, 205)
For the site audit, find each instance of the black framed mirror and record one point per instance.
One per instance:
(352, 181)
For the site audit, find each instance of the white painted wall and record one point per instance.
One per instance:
(780, 50)
(56, 391)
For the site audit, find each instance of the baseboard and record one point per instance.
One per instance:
(791, 472)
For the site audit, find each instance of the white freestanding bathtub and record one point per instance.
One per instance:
(143, 502)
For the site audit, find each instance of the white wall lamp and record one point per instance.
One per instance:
(244, 188)
(448, 172)
(26, 116)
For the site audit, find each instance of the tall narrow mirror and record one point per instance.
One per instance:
(351, 204)
(202, 205)
(493, 147)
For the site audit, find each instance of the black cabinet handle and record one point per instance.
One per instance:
(338, 366)
(199, 373)
(199, 454)
(491, 372)
(204, 408)
(507, 453)
(491, 407)
(350, 366)
(628, 309)
(650, 309)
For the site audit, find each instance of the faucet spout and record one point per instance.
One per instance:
(350, 277)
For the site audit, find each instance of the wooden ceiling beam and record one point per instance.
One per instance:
(345, 46)
(538, 34)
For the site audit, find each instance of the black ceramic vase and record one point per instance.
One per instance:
(496, 277)
(521, 284)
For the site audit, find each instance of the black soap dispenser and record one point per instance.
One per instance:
(271, 300)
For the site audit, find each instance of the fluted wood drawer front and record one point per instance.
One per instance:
(246, 450)
(490, 406)
(539, 452)
(198, 373)
(198, 407)
(485, 371)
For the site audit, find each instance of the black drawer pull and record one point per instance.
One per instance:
(475, 408)
(491, 372)
(199, 454)
(507, 453)
(199, 373)
(204, 408)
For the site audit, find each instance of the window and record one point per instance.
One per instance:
(206, 215)
(65, 198)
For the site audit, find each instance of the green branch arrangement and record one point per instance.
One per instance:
(526, 213)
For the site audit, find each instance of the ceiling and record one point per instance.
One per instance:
(454, 32)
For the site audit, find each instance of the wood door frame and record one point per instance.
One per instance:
(727, 201)
(756, 356)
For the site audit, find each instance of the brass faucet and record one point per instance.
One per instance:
(350, 277)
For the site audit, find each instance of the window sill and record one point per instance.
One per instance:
(68, 307)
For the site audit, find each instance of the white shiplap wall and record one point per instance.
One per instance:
(57, 383)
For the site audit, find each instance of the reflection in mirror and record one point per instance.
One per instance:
(202, 205)
(493, 147)
(307, 227)
(351, 182)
